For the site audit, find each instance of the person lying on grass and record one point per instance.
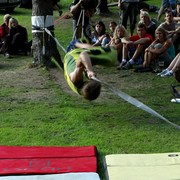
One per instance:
(78, 68)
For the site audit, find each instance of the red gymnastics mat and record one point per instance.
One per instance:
(16, 160)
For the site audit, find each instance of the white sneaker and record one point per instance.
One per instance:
(163, 72)
(169, 73)
(7, 55)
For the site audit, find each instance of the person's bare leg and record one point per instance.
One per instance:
(138, 51)
(148, 58)
(175, 63)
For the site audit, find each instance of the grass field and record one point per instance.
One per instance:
(36, 110)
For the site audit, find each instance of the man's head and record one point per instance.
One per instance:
(141, 30)
(91, 90)
(169, 16)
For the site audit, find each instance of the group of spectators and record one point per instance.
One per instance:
(13, 37)
(153, 43)
(154, 46)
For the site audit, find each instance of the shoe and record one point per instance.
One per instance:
(127, 66)
(169, 73)
(142, 69)
(175, 93)
(121, 65)
(163, 72)
(7, 55)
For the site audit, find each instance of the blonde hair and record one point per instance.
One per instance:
(145, 13)
(11, 20)
(118, 27)
(6, 17)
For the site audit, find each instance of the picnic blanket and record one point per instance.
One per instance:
(160, 166)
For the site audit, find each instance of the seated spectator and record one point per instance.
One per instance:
(134, 47)
(170, 26)
(173, 69)
(4, 29)
(146, 19)
(109, 36)
(161, 49)
(16, 40)
(119, 33)
(98, 34)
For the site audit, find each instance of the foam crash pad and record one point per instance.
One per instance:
(65, 176)
(47, 160)
(161, 166)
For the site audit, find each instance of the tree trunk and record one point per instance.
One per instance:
(43, 45)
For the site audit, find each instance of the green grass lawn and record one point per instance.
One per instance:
(36, 110)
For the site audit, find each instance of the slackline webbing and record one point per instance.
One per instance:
(135, 102)
(123, 95)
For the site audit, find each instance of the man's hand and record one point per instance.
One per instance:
(90, 74)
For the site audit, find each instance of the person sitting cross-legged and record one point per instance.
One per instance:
(134, 47)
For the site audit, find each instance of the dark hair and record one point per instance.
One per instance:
(113, 22)
(141, 25)
(103, 27)
(91, 90)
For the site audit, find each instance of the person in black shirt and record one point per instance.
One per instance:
(82, 11)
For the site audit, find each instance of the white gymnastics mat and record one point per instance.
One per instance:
(65, 176)
(161, 166)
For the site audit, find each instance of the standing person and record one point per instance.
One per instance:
(57, 7)
(78, 70)
(4, 29)
(134, 47)
(166, 4)
(130, 9)
(82, 11)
